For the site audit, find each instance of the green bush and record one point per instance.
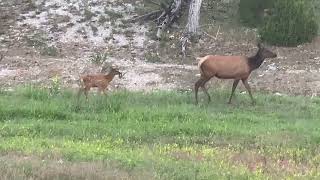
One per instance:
(252, 11)
(292, 23)
(316, 8)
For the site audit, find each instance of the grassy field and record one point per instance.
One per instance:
(160, 135)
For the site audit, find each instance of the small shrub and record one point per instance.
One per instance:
(113, 15)
(102, 20)
(99, 58)
(36, 40)
(88, 15)
(39, 41)
(49, 51)
(152, 57)
(128, 33)
(55, 87)
(94, 30)
(292, 23)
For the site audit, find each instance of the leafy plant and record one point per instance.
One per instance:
(49, 50)
(55, 87)
(292, 23)
(99, 58)
(252, 11)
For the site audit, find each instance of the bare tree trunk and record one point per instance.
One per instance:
(192, 28)
(170, 13)
(194, 16)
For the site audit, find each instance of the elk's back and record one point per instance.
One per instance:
(225, 67)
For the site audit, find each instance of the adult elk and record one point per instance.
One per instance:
(101, 81)
(230, 67)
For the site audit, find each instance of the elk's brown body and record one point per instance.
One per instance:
(101, 81)
(230, 67)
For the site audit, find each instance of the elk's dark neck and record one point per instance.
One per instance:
(255, 61)
(110, 76)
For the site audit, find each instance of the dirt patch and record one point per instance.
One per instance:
(251, 160)
(17, 166)
(258, 162)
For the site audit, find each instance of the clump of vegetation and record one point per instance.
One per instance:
(36, 40)
(152, 57)
(49, 50)
(102, 19)
(55, 86)
(252, 11)
(88, 15)
(113, 15)
(94, 29)
(316, 8)
(292, 23)
(99, 58)
(40, 42)
(129, 33)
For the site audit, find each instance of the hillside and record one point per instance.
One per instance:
(46, 39)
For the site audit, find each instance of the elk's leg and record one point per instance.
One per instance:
(196, 88)
(234, 86)
(246, 85)
(204, 88)
(104, 91)
(100, 91)
(86, 90)
(79, 92)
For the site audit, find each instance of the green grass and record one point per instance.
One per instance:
(165, 134)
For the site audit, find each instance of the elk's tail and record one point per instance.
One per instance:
(201, 60)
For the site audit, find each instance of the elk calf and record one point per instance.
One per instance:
(101, 81)
(230, 67)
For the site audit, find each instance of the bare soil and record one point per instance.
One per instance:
(18, 166)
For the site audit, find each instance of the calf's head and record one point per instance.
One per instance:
(115, 71)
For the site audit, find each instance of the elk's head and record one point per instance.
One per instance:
(115, 71)
(265, 53)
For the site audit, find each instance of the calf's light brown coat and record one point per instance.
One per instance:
(101, 81)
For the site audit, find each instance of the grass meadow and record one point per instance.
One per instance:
(157, 135)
